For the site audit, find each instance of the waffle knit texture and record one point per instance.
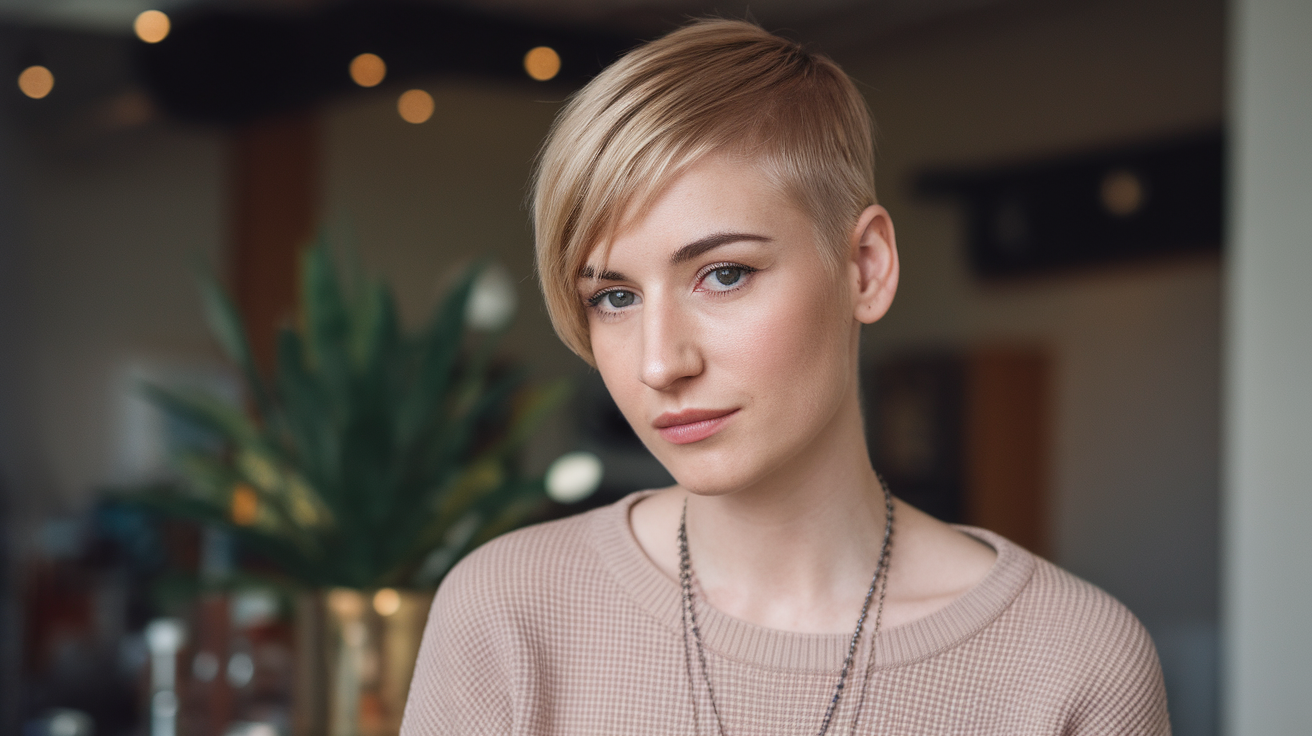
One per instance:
(568, 628)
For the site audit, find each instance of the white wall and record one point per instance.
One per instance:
(1137, 347)
(111, 232)
(1268, 439)
(425, 199)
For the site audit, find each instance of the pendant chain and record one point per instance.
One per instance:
(878, 582)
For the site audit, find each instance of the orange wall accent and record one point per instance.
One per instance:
(274, 198)
(1007, 444)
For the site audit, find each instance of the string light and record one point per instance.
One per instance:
(415, 106)
(542, 63)
(152, 26)
(36, 81)
(368, 70)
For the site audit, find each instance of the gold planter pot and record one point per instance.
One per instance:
(356, 652)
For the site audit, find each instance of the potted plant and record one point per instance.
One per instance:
(363, 468)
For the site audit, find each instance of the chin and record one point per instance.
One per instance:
(713, 471)
(709, 490)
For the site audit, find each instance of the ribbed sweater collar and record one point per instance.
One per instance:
(732, 638)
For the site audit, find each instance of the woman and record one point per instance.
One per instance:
(708, 239)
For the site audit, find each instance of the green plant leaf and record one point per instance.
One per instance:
(535, 405)
(206, 411)
(374, 334)
(225, 324)
(438, 351)
(371, 447)
(326, 325)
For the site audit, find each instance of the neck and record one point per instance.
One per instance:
(797, 550)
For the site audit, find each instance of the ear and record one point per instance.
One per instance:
(873, 263)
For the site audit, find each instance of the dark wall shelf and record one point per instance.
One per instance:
(1152, 199)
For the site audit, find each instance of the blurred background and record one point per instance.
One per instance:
(1089, 196)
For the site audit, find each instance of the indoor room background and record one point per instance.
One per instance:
(1072, 399)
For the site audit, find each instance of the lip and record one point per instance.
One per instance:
(691, 425)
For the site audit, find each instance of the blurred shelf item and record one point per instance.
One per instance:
(355, 655)
(61, 722)
(165, 638)
(965, 436)
(1129, 203)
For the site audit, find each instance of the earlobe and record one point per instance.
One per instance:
(874, 264)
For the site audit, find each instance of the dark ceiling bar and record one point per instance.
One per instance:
(229, 66)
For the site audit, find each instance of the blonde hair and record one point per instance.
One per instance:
(713, 86)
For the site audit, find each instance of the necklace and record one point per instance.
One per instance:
(690, 624)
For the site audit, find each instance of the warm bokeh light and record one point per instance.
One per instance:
(415, 106)
(368, 70)
(1122, 193)
(345, 603)
(245, 505)
(542, 63)
(152, 26)
(387, 602)
(36, 82)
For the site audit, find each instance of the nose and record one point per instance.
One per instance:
(670, 351)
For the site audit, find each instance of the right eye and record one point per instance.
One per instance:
(619, 299)
(613, 301)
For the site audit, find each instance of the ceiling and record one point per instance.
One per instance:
(248, 60)
(813, 17)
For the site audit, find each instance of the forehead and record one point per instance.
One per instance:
(717, 194)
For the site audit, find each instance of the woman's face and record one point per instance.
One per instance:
(720, 333)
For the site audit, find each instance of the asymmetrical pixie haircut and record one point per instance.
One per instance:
(712, 87)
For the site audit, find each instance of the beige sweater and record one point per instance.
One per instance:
(568, 628)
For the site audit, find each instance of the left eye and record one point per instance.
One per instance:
(725, 277)
(728, 276)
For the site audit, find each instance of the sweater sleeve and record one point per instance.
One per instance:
(460, 680)
(1125, 693)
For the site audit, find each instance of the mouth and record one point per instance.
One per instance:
(691, 425)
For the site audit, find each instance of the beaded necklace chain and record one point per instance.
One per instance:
(690, 624)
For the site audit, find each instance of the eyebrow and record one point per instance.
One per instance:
(710, 242)
(684, 254)
(587, 273)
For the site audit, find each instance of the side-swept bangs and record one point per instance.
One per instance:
(714, 86)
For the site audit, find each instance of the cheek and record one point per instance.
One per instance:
(788, 342)
(617, 362)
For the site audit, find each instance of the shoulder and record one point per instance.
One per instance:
(1077, 617)
(485, 618)
(526, 560)
(1092, 649)
(1055, 608)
